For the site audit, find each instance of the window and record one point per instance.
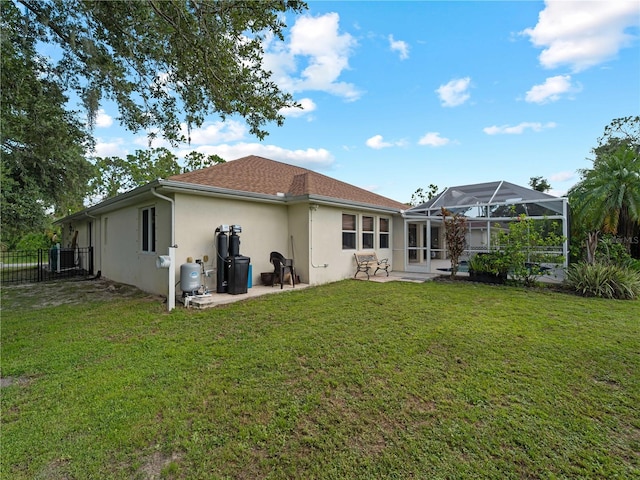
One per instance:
(367, 232)
(148, 229)
(348, 232)
(384, 233)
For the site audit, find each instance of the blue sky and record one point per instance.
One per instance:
(400, 95)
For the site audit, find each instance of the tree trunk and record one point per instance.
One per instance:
(626, 228)
(592, 244)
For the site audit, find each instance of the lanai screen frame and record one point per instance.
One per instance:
(489, 213)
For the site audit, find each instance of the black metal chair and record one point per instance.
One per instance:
(281, 266)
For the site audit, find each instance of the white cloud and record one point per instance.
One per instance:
(433, 139)
(562, 176)
(142, 141)
(399, 46)
(557, 193)
(312, 158)
(377, 142)
(308, 106)
(317, 43)
(114, 147)
(517, 129)
(455, 92)
(216, 132)
(103, 120)
(551, 90)
(582, 34)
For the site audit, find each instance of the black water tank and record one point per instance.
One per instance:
(237, 269)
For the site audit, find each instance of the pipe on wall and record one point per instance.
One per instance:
(171, 296)
(173, 214)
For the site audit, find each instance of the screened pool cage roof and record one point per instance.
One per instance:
(491, 200)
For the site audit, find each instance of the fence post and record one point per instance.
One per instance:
(58, 257)
(40, 257)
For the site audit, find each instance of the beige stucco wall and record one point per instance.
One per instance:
(264, 229)
(325, 243)
(310, 234)
(119, 244)
(298, 248)
(399, 253)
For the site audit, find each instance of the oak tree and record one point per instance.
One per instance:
(168, 62)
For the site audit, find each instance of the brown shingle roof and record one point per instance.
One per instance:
(261, 175)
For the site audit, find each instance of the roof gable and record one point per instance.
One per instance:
(261, 175)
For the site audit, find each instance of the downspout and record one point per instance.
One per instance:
(173, 214)
(171, 296)
(313, 208)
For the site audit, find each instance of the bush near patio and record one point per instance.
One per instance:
(527, 245)
(489, 267)
(435, 380)
(519, 252)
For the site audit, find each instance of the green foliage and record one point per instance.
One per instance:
(34, 241)
(115, 175)
(540, 184)
(420, 196)
(528, 244)
(197, 160)
(164, 63)
(43, 168)
(455, 231)
(496, 263)
(607, 198)
(168, 62)
(604, 280)
(621, 131)
(611, 251)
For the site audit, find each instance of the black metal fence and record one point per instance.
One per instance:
(31, 266)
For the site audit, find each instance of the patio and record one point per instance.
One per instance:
(200, 302)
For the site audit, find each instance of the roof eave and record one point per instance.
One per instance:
(342, 203)
(172, 186)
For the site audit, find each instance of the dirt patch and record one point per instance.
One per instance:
(68, 292)
(8, 381)
(158, 465)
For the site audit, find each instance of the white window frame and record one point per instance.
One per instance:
(382, 233)
(370, 234)
(352, 233)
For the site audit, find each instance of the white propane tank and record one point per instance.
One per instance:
(190, 277)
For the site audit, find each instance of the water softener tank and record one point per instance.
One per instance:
(190, 277)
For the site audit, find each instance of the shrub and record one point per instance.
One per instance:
(613, 252)
(526, 245)
(455, 228)
(495, 263)
(34, 241)
(605, 281)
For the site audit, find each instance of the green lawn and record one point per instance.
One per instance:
(347, 380)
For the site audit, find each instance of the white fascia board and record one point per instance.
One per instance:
(337, 202)
(169, 186)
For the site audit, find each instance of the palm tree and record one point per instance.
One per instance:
(607, 199)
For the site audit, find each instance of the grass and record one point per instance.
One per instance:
(347, 380)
